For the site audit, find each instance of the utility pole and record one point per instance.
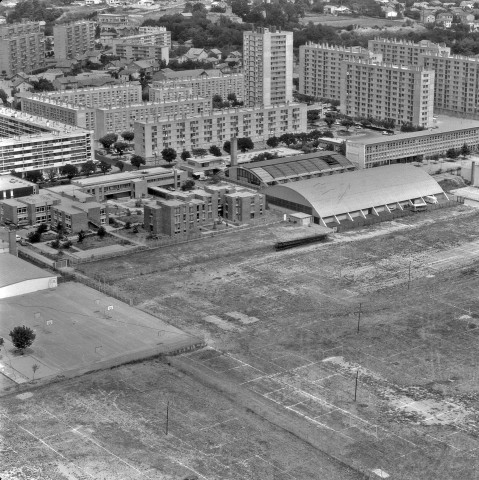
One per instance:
(359, 315)
(167, 412)
(356, 387)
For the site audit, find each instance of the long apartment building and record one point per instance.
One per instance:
(32, 143)
(267, 67)
(320, 67)
(456, 83)
(146, 45)
(206, 85)
(22, 47)
(112, 21)
(405, 52)
(406, 147)
(404, 94)
(215, 127)
(73, 39)
(116, 116)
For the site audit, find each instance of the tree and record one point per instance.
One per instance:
(227, 146)
(42, 228)
(88, 168)
(108, 140)
(42, 85)
(137, 161)
(81, 236)
(104, 167)
(263, 156)
(34, 176)
(3, 96)
(168, 154)
(452, 153)
(272, 142)
(101, 232)
(199, 152)
(51, 175)
(120, 165)
(465, 150)
(288, 139)
(216, 151)
(185, 155)
(128, 136)
(34, 237)
(22, 337)
(120, 147)
(69, 171)
(329, 121)
(347, 123)
(245, 144)
(188, 185)
(35, 367)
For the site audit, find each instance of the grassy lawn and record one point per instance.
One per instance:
(291, 318)
(94, 241)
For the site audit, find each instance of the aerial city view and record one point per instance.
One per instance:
(239, 240)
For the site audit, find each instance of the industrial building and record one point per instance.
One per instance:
(320, 67)
(32, 143)
(334, 199)
(404, 94)
(268, 67)
(22, 47)
(217, 126)
(288, 169)
(14, 187)
(72, 39)
(414, 146)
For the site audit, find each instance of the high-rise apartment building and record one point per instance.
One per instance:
(268, 67)
(22, 47)
(404, 94)
(320, 67)
(73, 39)
(456, 83)
(404, 52)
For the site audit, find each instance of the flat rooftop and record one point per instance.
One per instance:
(459, 124)
(9, 182)
(123, 176)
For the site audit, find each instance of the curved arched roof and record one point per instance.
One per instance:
(359, 190)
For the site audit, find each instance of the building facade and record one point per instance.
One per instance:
(404, 94)
(215, 127)
(22, 47)
(113, 21)
(138, 51)
(320, 68)
(34, 143)
(268, 67)
(413, 146)
(405, 52)
(73, 39)
(204, 86)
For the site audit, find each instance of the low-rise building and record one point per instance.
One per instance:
(14, 187)
(133, 184)
(408, 147)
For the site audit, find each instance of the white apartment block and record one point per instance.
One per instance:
(215, 127)
(456, 84)
(112, 21)
(139, 51)
(404, 52)
(404, 94)
(204, 86)
(32, 143)
(114, 117)
(22, 47)
(406, 147)
(320, 67)
(267, 67)
(161, 36)
(73, 39)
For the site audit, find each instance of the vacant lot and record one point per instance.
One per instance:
(284, 325)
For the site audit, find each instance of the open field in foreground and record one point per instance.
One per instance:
(282, 329)
(284, 325)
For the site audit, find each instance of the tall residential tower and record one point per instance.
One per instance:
(268, 67)
(73, 39)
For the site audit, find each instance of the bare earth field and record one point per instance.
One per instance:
(284, 343)
(344, 21)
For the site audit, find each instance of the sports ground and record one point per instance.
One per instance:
(391, 310)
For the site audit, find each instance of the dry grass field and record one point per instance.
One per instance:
(282, 329)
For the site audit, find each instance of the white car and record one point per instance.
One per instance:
(385, 133)
(18, 238)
